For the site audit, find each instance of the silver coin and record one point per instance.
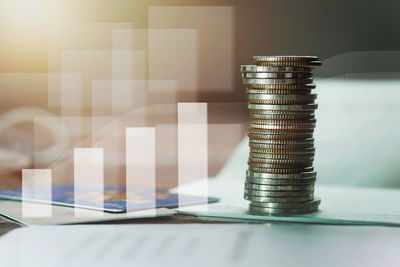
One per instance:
(258, 96)
(260, 187)
(284, 122)
(280, 161)
(289, 58)
(274, 136)
(280, 170)
(305, 175)
(289, 64)
(283, 142)
(277, 91)
(280, 199)
(259, 193)
(282, 107)
(276, 75)
(312, 203)
(267, 181)
(255, 210)
(283, 86)
(281, 117)
(306, 151)
(278, 156)
(286, 146)
(277, 81)
(274, 166)
(255, 68)
(283, 112)
(294, 127)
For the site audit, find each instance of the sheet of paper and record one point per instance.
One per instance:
(339, 205)
(201, 245)
(66, 215)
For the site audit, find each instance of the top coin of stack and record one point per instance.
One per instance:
(280, 178)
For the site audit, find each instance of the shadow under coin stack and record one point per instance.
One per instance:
(280, 178)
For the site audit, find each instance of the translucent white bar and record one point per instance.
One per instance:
(173, 55)
(128, 95)
(50, 144)
(92, 65)
(36, 185)
(88, 178)
(216, 70)
(130, 39)
(67, 36)
(193, 148)
(167, 155)
(71, 94)
(140, 164)
(101, 98)
(109, 134)
(129, 65)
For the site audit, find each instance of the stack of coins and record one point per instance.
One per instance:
(280, 178)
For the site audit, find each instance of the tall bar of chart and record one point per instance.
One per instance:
(88, 178)
(36, 185)
(140, 165)
(193, 149)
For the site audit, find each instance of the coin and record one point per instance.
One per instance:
(295, 97)
(283, 107)
(255, 68)
(279, 165)
(280, 170)
(289, 64)
(282, 156)
(277, 91)
(308, 197)
(315, 202)
(289, 59)
(277, 81)
(282, 117)
(283, 86)
(283, 142)
(259, 193)
(284, 122)
(275, 75)
(283, 126)
(279, 181)
(268, 188)
(305, 175)
(281, 99)
(281, 161)
(255, 210)
(275, 136)
(283, 112)
(301, 151)
(280, 146)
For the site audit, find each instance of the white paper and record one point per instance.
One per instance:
(201, 245)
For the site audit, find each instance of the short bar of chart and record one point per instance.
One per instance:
(36, 185)
(88, 179)
(193, 149)
(140, 165)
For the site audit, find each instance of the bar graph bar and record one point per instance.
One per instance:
(36, 185)
(193, 149)
(88, 178)
(140, 165)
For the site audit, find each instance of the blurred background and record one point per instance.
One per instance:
(76, 73)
